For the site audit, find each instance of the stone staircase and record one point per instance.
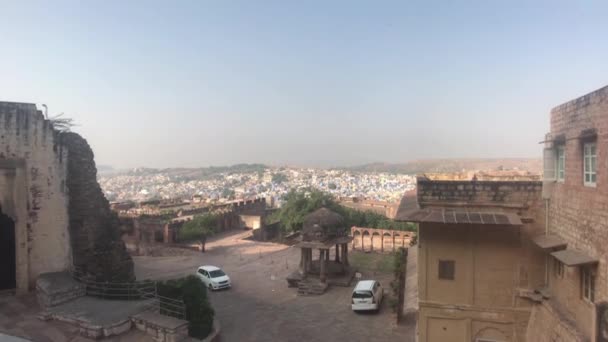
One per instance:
(311, 287)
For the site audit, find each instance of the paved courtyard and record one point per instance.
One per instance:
(19, 317)
(260, 306)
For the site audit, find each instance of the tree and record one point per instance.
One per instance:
(332, 186)
(299, 203)
(200, 227)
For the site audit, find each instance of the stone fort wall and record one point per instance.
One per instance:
(48, 187)
(33, 171)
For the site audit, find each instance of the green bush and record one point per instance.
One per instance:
(199, 312)
(199, 228)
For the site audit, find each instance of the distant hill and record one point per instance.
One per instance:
(533, 165)
(201, 172)
(105, 169)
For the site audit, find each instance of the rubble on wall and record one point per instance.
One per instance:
(97, 248)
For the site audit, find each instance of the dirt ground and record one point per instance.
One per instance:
(260, 306)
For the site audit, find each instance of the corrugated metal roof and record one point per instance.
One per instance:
(549, 241)
(462, 216)
(571, 257)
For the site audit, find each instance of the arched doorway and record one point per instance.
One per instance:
(8, 278)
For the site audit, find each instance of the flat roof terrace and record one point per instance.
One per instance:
(472, 198)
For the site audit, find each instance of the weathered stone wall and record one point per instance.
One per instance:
(32, 191)
(579, 213)
(522, 195)
(495, 266)
(547, 325)
(491, 265)
(95, 233)
(380, 207)
(230, 216)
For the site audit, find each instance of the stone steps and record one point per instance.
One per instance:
(311, 288)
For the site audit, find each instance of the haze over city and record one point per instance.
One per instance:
(163, 84)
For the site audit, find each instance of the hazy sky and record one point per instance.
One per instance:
(197, 83)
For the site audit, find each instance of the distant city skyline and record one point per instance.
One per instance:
(195, 84)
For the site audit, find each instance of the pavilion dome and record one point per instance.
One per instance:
(322, 225)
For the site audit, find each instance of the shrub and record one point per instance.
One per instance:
(199, 312)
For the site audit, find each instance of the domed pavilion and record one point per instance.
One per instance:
(325, 231)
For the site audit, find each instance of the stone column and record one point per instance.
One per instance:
(326, 254)
(307, 260)
(345, 254)
(322, 275)
(302, 260)
(337, 259)
(168, 237)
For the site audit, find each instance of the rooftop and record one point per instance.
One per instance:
(491, 176)
(463, 216)
(497, 198)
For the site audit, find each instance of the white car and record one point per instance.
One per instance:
(367, 295)
(213, 277)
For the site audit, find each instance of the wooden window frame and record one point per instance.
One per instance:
(446, 269)
(560, 160)
(587, 284)
(590, 164)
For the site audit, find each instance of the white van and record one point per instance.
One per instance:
(367, 295)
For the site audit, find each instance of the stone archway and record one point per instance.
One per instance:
(8, 262)
(376, 241)
(397, 240)
(366, 241)
(492, 334)
(357, 239)
(387, 242)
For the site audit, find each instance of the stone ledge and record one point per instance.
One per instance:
(90, 330)
(160, 327)
(56, 288)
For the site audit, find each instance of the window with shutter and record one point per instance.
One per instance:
(589, 164)
(560, 172)
(588, 284)
(549, 164)
(446, 269)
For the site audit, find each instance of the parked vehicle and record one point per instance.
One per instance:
(213, 277)
(367, 295)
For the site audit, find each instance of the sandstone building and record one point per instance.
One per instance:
(53, 215)
(576, 192)
(477, 265)
(500, 260)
